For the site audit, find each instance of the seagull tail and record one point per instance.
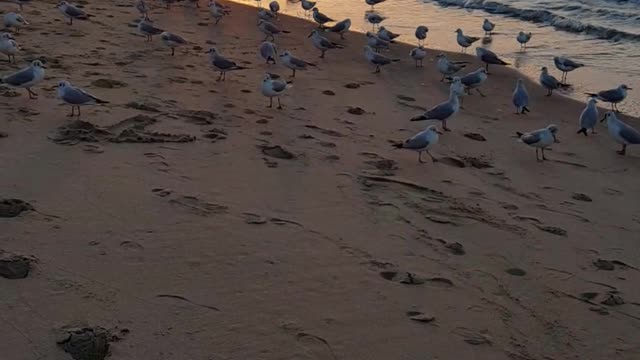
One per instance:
(591, 94)
(419, 118)
(519, 134)
(100, 101)
(395, 60)
(582, 131)
(286, 31)
(398, 145)
(502, 62)
(525, 110)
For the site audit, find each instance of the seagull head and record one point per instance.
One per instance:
(609, 116)
(432, 128)
(6, 36)
(285, 53)
(61, 3)
(592, 101)
(313, 32)
(369, 34)
(544, 70)
(441, 56)
(63, 84)
(625, 87)
(315, 10)
(458, 31)
(553, 129)
(37, 64)
(267, 77)
(212, 51)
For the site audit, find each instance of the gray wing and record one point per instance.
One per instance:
(490, 57)
(440, 111)
(77, 96)
(150, 29)
(454, 68)
(323, 17)
(21, 77)
(571, 63)
(175, 38)
(549, 82)
(470, 39)
(531, 138)
(278, 86)
(470, 79)
(338, 27)
(629, 134)
(297, 62)
(324, 42)
(271, 28)
(520, 98)
(611, 95)
(73, 11)
(416, 142)
(222, 63)
(378, 59)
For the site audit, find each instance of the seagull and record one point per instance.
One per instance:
(22, 2)
(26, 78)
(540, 139)
(589, 117)
(520, 98)
(217, 11)
(386, 35)
(270, 30)
(142, 8)
(145, 28)
(340, 27)
(622, 133)
(442, 111)
(377, 59)
(172, 41)
(320, 18)
(71, 12)
(474, 79)
(375, 19)
(465, 41)
(273, 88)
(447, 67)
(307, 5)
(421, 33)
(421, 142)
(488, 27)
(613, 96)
(294, 63)
(76, 97)
(266, 15)
(489, 57)
(549, 82)
(14, 20)
(9, 46)
(373, 2)
(523, 38)
(222, 64)
(268, 51)
(565, 65)
(197, 2)
(321, 43)
(458, 88)
(274, 7)
(418, 54)
(375, 42)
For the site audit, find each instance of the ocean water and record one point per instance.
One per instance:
(603, 34)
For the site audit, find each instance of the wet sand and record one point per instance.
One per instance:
(217, 244)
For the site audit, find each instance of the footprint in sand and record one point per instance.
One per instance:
(14, 266)
(13, 207)
(409, 278)
(198, 207)
(278, 152)
(316, 347)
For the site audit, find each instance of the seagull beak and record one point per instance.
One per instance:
(603, 119)
(440, 132)
(629, 88)
(310, 34)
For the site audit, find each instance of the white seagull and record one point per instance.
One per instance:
(540, 139)
(76, 97)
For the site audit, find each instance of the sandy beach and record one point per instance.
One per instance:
(190, 221)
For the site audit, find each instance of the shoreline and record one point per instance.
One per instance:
(199, 224)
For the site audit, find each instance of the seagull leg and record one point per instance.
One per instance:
(270, 102)
(480, 92)
(420, 157)
(537, 157)
(623, 151)
(543, 158)
(294, 73)
(279, 105)
(173, 51)
(431, 156)
(78, 111)
(322, 55)
(342, 36)
(32, 95)
(486, 67)
(73, 108)
(444, 126)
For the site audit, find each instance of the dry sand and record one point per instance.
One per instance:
(211, 249)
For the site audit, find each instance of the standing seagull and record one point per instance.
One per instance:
(613, 96)
(26, 78)
(489, 57)
(341, 27)
(13, 20)
(418, 54)
(421, 142)
(373, 2)
(71, 12)
(270, 30)
(294, 63)
(322, 43)
(589, 117)
(76, 97)
(142, 8)
(523, 38)
(566, 65)
(488, 27)
(622, 133)
(9, 46)
(274, 7)
(266, 15)
(549, 82)
(442, 111)
(375, 42)
(377, 59)
(421, 34)
(145, 28)
(540, 139)
(222, 64)
(320, 18)
(22, 2)
(172, 41)
(474, 79)
(465, 41)
(307, 5)
(273, 88)
(375, 19)
(386, 35)
(217, 11)
(447, 67)
(268, 51)
(520, 98)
